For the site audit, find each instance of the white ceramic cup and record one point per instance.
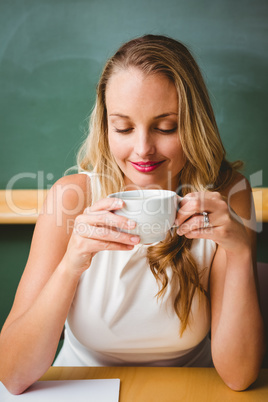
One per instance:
(154, 211)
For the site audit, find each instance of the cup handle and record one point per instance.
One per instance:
(179, 199)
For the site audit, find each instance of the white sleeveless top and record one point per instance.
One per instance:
(116, 319)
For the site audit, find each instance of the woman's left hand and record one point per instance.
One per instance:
(224, 226)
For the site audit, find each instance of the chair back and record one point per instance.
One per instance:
(262, 270)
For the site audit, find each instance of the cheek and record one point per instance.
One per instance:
(113, 144)
(174, 151)
(117, 150)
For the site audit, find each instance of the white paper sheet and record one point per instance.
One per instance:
(66, 391)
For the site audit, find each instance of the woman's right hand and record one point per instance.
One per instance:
(98, 229)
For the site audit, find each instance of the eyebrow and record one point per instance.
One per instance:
(161, 116)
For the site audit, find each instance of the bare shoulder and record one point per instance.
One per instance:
(71, 194)
(66, 199)
(239, 196)
(81, 180)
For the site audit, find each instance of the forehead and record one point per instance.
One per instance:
(132, 89)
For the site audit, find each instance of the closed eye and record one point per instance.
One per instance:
(124, 131)
(127, 130)
(172, 130)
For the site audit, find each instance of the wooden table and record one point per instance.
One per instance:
(260, 196)
(166, 384)
(20, 206)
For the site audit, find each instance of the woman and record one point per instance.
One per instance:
(152, 127)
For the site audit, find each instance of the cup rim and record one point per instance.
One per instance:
(125, 195)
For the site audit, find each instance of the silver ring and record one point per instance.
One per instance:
(206, 219)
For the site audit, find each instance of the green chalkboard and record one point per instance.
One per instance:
(52, 52)
(51, 55)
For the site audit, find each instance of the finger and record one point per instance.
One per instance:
(197, 204)
(104, 233)
(99, 245)
(197, 222)
(205, 233)
(192, 204)
(106, 218)
(198, 194)
(105, 204)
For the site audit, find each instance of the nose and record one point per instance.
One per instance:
(144, 144)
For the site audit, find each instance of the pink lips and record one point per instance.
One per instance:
(146, 166)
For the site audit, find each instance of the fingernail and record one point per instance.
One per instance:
(135, 239)
(119, 203)
(131, 224)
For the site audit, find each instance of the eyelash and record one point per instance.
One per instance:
(127, 130)
(122, 131)
(172, 130)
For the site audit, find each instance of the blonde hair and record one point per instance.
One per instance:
(205, 167)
